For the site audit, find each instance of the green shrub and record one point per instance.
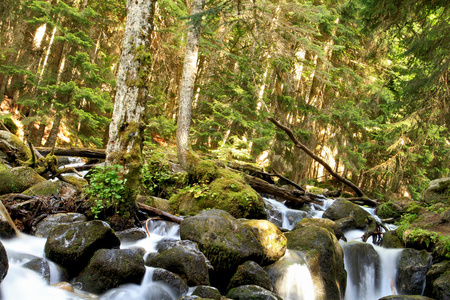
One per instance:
(107, 189)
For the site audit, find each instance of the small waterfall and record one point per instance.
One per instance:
(23, 283)
(282, 216)
(371, 270)
(291, 277)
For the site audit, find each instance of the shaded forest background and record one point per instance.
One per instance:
(362, 83)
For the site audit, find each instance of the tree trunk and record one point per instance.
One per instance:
(53, 135)
(126, 129)
(187, 84)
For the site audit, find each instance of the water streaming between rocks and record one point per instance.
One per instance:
(366, 280)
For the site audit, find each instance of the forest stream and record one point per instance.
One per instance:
(363, 280)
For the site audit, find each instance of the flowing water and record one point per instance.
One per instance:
(23, 283)
(367, 280)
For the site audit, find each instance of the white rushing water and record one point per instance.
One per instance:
(25, 284)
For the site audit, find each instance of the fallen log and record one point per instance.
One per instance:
(78, 152)
(362, 200)
(159, 212)
(297, 143)
(295, 196)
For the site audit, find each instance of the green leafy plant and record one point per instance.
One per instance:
(107, 189)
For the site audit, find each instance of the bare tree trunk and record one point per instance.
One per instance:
(126, 129)
(187, 84)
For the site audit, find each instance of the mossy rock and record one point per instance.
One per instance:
(251, 273)
(325, 259)
(229, 193)
(9, 123)
(342, 208)
(391, 240)
(270, 237)
(437, 191)
(13, 147)
(75, 181)
(43, 188)
(389, 210)
(205, 171)
(3, 166)
(328, 224)
(155, 202)
(18, 179)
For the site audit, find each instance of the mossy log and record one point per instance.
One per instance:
(78, 152)
(295, 196)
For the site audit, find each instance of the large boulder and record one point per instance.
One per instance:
(391, 240)
(247, 292)
(438, 281)
(328, 224)
(13, 147)
(224, 240)
(412, 268)
(43, 188)
(229, 193)
(190, 264)
(73, 245)
(44, 227)
(342, 208)
(4, 265)
(271, 238)
(438, 191)
(325, 260)
(207, 292)
(109, 268)
(250, 273)
(174, 281)
(17, 180)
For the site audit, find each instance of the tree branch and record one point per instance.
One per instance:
(317, 158)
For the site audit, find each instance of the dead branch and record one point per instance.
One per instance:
(317, 158)
(159, 212)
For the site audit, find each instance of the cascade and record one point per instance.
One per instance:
(25, 247)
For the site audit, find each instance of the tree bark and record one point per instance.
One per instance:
(187, 85)
(317, 158)
(126, 129)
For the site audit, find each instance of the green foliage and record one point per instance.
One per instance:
(107, 189)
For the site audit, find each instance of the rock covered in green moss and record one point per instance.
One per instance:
(43, 188)
(228, 192)
(328, 224)
(207, 292)
(17, 180)
(250, 273)
(391, 240)
(438, 281)
(189, 263)
(412, 268)
(324, 257)
(389, 210)
(222, 238)
(438, 191)
(13, 147)
(251, 292)
(271, 238)
(110, 268)
(73, 245)
(342, 208)
(44, 226)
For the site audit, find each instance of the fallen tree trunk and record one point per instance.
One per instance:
(317, 158)
(78, 152)
(362, 200)
(295, 196)
(159, 212)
